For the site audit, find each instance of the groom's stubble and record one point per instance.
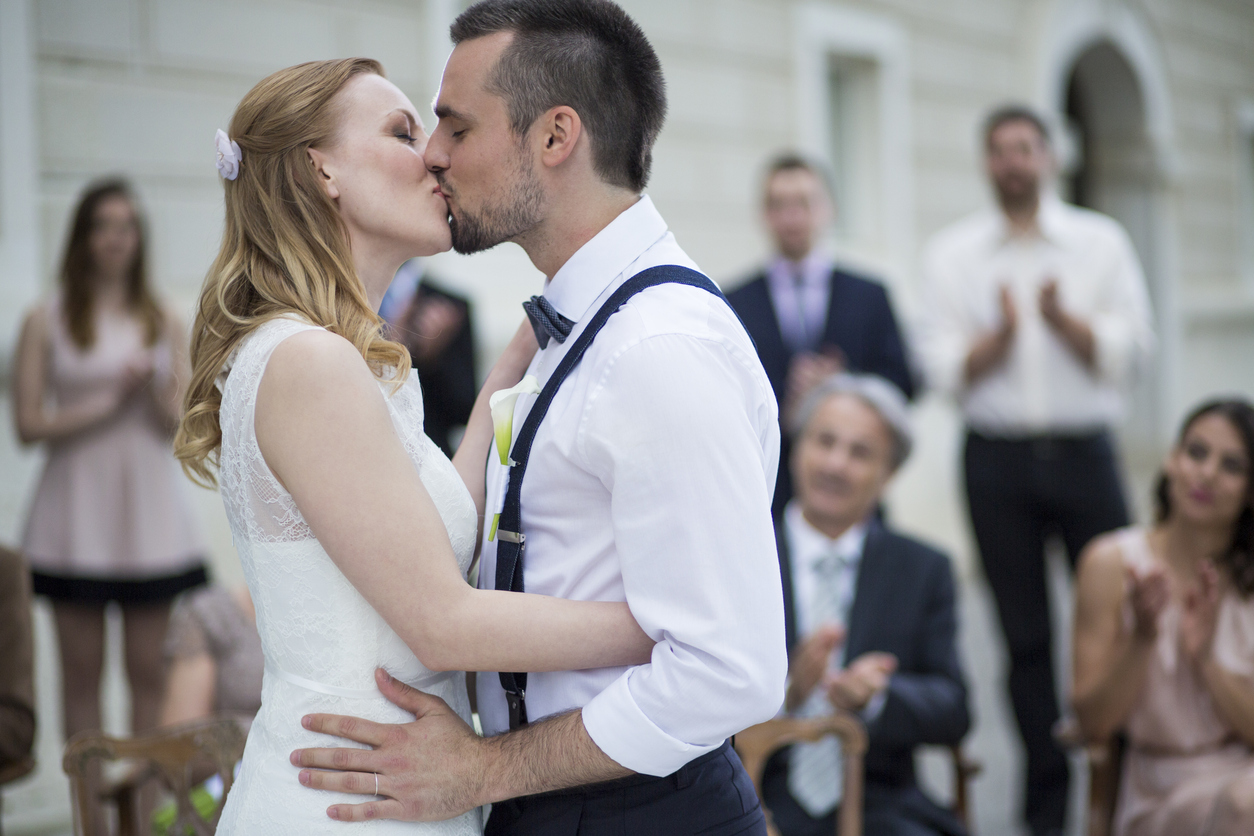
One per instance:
(516, 209)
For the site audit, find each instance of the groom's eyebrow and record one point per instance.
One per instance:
(443, 111)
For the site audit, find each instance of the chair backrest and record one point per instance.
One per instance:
(1105, 765)
(756, 745)
(17, 666)
(172, 756)
(1105, 760)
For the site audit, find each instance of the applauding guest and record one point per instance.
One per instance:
(1036, 314)
(808, 317)
(1164, 638)
(870, 617)
(214, 657)
(97, 383)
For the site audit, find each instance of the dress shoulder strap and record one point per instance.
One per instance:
(251, 355)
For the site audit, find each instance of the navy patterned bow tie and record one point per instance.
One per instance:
(546, 321)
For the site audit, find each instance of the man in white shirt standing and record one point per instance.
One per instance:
(1036, 315)
(648, 479)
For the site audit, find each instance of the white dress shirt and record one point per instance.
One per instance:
(801, 292)
(650, 482)
(1042, 386)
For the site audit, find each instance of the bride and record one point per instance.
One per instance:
(354, 531)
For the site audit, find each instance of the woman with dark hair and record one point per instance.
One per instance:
(1164, 638)
(97, 381)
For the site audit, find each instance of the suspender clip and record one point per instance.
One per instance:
(517, 708)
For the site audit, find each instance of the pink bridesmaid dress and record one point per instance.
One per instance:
(1181, 755)
(110, 518)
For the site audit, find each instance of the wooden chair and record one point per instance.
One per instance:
(756, 745)
(178, 757)
(965, 769)
(1105, 761)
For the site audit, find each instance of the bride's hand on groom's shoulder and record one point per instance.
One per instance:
(428, 770)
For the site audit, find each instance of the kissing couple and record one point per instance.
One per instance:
(632, 400)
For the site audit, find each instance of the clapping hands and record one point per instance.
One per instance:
(854, 686)
(850, 688)
(1200, 614)
(1149, 593)
(810, 663)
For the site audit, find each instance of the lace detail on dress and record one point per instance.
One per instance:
(315, 627)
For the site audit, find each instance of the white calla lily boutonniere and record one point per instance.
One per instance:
(502, 403)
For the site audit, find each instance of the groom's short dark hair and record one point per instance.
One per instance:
(588, 55)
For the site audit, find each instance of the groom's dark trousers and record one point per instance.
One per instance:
(711, 795)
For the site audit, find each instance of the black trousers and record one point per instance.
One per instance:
(711, 795)
(1020, 492)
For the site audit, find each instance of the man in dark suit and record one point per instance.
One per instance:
(870, 619)
(435, 325)
(808, 318)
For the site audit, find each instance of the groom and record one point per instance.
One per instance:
(650, 475)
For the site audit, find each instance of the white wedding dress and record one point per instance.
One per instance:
(322, 640)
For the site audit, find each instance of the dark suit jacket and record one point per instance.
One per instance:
(859, 322)
(904, 604)
(448, 382)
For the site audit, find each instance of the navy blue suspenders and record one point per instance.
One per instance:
(511, 542)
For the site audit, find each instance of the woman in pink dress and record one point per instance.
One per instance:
(97, 384)
(1164, 638)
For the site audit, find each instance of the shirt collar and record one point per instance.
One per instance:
(809, 544)
(1051, 220)
(587, 273)
(815, 268)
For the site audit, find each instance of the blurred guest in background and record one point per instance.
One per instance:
(17, 663)
(97, 381)
(435, 325)
(214, 658)
(1034, 316)
(808, 318)
(870, 619)
(1164, 638)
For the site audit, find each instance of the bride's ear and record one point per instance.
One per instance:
(324, 171)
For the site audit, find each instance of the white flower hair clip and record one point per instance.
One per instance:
(229, 156)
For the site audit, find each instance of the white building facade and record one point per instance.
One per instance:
(1153, 102)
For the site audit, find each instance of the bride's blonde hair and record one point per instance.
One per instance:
(285, 248)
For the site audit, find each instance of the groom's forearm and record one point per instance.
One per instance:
(552, 754)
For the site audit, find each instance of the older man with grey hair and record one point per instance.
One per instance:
(870, 618)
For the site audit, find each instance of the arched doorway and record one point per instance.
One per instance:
(1114, 171)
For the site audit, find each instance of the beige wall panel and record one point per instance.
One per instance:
(241, 36)
(87, 126)
(1216, 358)
(970, 71)
(101, 26)
(962, 18)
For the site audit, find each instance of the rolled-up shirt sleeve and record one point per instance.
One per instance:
(1123, 330)
(684, 433)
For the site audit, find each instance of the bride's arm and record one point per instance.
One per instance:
(325, 432)
(472, 454)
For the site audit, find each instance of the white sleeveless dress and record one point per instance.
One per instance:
(322, 640)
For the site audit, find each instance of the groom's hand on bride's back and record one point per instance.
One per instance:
(427, 770)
